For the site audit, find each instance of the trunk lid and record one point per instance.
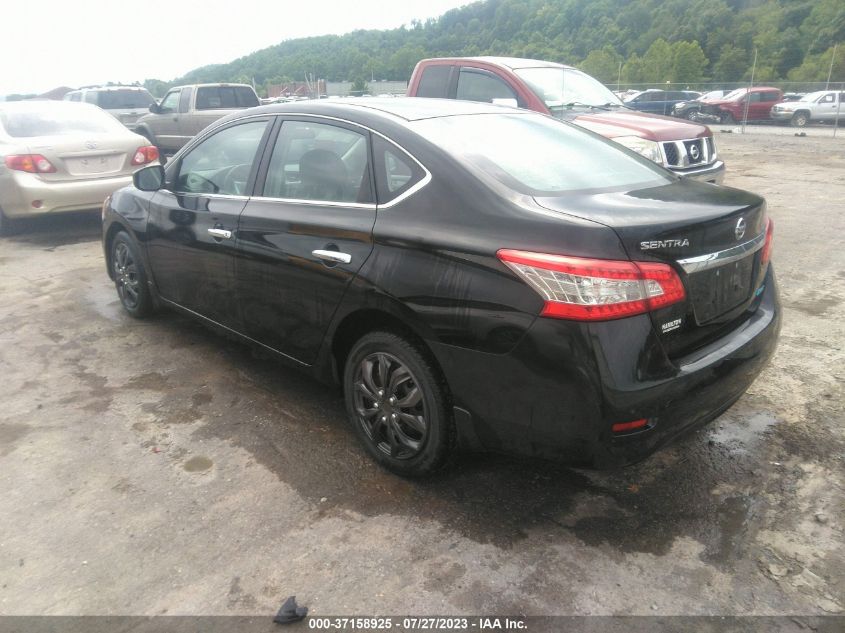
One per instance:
(710, 235)
(92, 156)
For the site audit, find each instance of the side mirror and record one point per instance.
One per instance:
(149, 178)
(155, 108)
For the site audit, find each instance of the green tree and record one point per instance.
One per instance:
(688, 62)
(603, 64)
(732, 64)
(658, 65)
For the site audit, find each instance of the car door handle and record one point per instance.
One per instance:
(221, 233)
(335, 257)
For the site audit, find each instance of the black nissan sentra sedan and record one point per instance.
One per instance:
(472, 275)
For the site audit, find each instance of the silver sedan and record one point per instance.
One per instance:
(59, 156)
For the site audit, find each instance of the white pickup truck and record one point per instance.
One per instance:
(821, 106)
(186, 110)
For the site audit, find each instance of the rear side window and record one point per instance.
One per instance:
(320, 162)
(434, 82)
(396, 172)
(215, 97)
(480, 86)
(770, 96)
(221, 164)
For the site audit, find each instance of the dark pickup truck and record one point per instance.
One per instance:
(567, 93)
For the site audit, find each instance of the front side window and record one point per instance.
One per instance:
(222, 163)
(539, 156)
(828, 98)
(170, 101)
(317, 161)
(478, 86)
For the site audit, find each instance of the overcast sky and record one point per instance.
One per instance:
(50, 43)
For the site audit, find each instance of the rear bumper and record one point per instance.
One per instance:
(19, 190)
(558, 393)
(711, 173)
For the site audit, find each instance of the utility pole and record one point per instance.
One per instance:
(619, 77)
(748, 94)
(830, 70)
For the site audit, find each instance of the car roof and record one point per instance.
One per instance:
(508, 62)
(405, 108)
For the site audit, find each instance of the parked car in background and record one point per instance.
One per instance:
(659, 101)
(471, 275)
(793, 96)
(823, 106)
(691, 109)
(757, 102)
(185, 111)
(59, 156)
(125, 103)
(567, 93)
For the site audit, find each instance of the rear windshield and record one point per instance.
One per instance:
(113, 99)
(539, 156)
(55, 120)
(214, 97)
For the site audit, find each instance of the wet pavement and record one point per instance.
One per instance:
(159, 467)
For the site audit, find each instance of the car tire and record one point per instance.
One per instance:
(726, 118)
(398, 404)
(691, 115)
(5, 225)
(799, 119)
(130, 276)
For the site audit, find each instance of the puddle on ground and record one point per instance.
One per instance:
(197, 464)
(741, 434)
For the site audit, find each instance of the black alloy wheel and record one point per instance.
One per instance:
(130, 279)
(397, 404)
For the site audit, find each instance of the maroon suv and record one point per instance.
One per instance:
(567, 93)
(755, 102)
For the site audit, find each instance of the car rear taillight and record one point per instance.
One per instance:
(595, 289)
(767, 247)
(32, 163)
(144, 155)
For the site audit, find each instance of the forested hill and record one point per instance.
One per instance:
(656, 41)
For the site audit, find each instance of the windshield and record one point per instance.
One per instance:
(736, 94)
(811, 97)
(112, 99)
(539, 156)
(558, 87)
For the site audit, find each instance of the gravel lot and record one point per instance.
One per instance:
(158, 467)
